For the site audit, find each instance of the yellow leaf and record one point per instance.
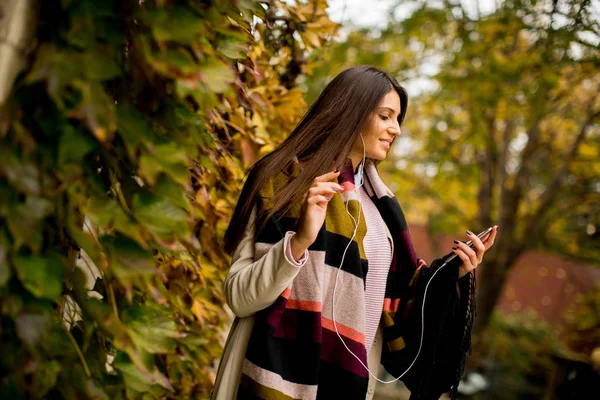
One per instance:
(100, 134)
(198, 311)
(310, 38)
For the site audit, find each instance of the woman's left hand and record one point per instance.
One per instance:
(471, 258)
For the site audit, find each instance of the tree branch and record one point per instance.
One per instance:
(487, 165)
(502, 175)
(511, 198)
(552, 190)
(575, 199)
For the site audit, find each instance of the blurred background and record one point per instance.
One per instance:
(126, 129)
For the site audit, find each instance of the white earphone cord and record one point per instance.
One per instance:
(361, 167)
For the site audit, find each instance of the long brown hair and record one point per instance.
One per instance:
(322, 141)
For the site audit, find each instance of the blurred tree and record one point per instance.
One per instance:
(123, 145)
(502, 127)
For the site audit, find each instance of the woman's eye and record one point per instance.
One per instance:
(384, 117)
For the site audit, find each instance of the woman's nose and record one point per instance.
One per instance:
(396, 130)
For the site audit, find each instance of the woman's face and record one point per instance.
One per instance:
(380, 131)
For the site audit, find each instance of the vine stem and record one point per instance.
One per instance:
(80, 354)
(116, 187)
(113, 302)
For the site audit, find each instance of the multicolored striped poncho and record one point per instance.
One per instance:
(294, 351)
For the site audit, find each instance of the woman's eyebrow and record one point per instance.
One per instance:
(388, 108)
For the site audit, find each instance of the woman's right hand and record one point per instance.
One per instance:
(314, 209)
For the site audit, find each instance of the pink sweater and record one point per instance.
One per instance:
(378, 248)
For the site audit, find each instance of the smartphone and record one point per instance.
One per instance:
(480, 235)
(470, 244)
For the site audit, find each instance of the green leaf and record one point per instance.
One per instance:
(133, 128)
(26, 224)
(56, 342)
(174, 62)
(104, 212)
(127, 259)
(73, 146)
(98, 67)
(216, 75)
(96, 110)
(85, 241)
(50, 66)
(42, 276)
(178, 117)
(250, 7)
(160, 216)
(168, 158)
(173, 192)
(94, 391)
(178, 24)
(141, 381)
(102, 313)
(107, 213)
(206, 162)
(191, 88)
(233, 48)
(81, 32)
(44, 377)
(153, 328)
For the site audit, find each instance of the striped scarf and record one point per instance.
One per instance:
(294, 350)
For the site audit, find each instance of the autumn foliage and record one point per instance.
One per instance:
(123, 147)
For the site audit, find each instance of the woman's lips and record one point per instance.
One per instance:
(385, 144)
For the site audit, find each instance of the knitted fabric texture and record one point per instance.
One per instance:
(294, 350)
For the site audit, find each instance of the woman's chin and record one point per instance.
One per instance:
(379, 156)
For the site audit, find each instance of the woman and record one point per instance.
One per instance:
(324, 280)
